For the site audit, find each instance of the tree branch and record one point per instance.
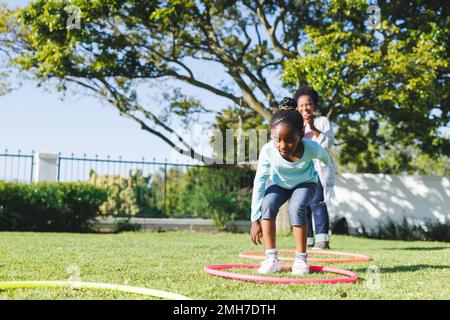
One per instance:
(118, 100)
(202, 85)
(271, 31)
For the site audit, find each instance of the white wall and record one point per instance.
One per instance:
(369, 198)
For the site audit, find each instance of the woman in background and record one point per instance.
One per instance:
(318, 128)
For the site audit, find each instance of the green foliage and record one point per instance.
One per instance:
(219, 193)
(63, 207)
(126, 225)
(211, 204)
(230, 185)
(128, 196)
(175, 202)
(426, 165)
(6, 15)
(123, 43)
(201, 191)
(187, 108)
(387, 87)
(227, 119)
(437, 231)
(430, 230)
(402, 230)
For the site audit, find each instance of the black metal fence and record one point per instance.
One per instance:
(172, 189)
(78, 168)
(16, 166)
(172, 184)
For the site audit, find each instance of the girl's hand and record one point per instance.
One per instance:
(256, 232)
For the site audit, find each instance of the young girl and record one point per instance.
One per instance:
(287, 161)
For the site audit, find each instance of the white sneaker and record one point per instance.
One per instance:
(270, 265)
(300, 268)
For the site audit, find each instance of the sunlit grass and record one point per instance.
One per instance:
(173, 261)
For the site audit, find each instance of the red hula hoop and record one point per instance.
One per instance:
(216, 271)
(355, 257)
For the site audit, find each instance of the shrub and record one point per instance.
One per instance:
(48, 206)
(126, 225)
(403, 230)
(186, 190)
(437, 231)
(130, 196)
(210, 204)
(339, 225)
(409, 230)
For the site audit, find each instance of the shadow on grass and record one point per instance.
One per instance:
(418, 248)
(410, 268)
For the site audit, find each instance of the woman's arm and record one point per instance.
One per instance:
(326, 136)
(259, 184)
(322, 155)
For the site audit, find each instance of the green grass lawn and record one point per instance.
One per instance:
(173, 261)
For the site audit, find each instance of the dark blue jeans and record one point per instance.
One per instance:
(300, 197)
(318, 209)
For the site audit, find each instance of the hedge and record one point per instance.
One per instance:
(49, 206)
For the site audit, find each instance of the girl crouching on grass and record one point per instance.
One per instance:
(287, 161)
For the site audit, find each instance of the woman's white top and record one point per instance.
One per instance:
(327, 174)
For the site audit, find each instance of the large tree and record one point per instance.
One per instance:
(123, 45)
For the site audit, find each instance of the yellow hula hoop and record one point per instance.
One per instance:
(91, 285)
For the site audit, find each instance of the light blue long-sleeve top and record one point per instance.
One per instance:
(286, 174)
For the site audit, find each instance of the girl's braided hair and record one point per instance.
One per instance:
(287, 103)
(287, 114)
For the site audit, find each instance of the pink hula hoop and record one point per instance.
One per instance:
(355, 257)
(215, 270)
